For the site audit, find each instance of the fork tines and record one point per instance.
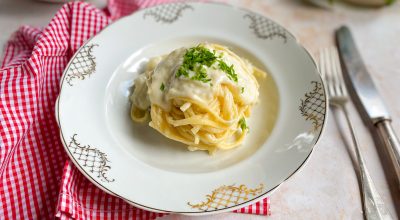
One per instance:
(330, 69)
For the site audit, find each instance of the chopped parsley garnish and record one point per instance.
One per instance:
(182, 72)
(201, 75)
(242, 89)
(196, 59)
(228, 70)
(162, 87)
(243, 124)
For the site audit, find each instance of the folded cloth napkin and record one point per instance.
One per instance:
(37, 180)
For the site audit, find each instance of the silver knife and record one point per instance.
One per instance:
(367, 96)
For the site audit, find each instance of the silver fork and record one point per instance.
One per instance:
(329, 65)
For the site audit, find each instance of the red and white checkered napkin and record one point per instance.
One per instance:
(37, 181)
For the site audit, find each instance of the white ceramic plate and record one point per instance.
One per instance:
(136, 163)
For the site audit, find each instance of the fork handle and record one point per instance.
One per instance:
(374, 207)
(391, 143)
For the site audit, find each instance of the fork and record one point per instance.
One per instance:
(330, 69)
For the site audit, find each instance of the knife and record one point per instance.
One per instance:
(367, 96)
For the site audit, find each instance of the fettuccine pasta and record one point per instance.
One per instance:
(199, 96)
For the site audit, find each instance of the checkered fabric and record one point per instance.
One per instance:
(37, 180)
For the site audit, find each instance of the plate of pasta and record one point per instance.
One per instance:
(192, 108)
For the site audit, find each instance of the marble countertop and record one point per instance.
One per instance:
(327, 186)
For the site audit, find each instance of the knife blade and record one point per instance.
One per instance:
(369, 101)
(360, 78)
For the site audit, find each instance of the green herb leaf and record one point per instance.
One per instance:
(201, 75)
(182, 72)
(196, 59)
(242, 89)
(162, 87)
(243, 124)
(228, 70)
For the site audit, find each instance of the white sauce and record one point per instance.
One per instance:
(139, 96)
(148, 86)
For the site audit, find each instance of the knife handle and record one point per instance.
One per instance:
(391, 143)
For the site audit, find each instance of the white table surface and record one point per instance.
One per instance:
(326, 188)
